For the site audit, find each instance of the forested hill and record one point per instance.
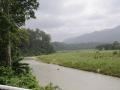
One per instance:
(104, 36)
(60, 46)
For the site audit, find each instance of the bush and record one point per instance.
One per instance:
(25, 80)
(115, 52)
(8, 77)
(51, 87)
(20, 67)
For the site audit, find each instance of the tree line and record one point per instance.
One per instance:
(61, 46)
(38, 42)
(114, 46)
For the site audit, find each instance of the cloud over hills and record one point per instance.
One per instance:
(68, 18)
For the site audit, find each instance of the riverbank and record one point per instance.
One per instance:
(71, 79)
(23, 80)
(104, 62)
(27, 80)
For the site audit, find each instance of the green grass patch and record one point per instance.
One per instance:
(104, 62)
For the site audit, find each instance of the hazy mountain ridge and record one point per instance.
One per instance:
(104, 36)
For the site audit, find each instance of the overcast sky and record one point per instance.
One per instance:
(69, 18)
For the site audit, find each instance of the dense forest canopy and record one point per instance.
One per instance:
(38, 43)
(14, 39)
(13, 14)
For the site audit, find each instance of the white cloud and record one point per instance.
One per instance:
(68, 18)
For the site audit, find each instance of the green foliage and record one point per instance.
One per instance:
(115, 52)
(114, 46)
(38, 43)
(51, 87)
(13, 14)
(97, 61)
(60, 46)
(5, 27)
(7, 77)
(19, 10)
(18, 37)
(26, 80)
(5, 24)
(98, 55)
(5, 71)
(20, 67)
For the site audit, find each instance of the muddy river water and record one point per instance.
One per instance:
(72, 79)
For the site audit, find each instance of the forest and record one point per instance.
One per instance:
(16, 41)
(37, 43)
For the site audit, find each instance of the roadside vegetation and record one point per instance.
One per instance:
(24, 80)
(9, 77)
(104, 62)
(13, 39)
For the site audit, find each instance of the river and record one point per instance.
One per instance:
(71, 79)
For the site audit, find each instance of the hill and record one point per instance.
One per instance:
(104, 36)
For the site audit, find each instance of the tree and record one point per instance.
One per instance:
(16, 12)
(5, 26)
(38, 43)
(114, 46)
(17, 38)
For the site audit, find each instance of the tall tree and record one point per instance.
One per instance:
(5, 26)
(39, 43)
(16, 12)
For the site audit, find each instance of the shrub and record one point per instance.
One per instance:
(115, 52)
(25, 80)
(20, 67)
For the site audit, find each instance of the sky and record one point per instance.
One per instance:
(63, 19)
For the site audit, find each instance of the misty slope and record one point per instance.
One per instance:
(104, 36)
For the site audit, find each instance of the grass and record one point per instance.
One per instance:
(104, 62)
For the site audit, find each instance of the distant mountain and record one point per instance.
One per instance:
(104, 36)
